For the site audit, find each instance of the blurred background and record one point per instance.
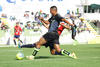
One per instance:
(86, 14)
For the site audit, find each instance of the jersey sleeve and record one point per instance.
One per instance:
(14, 29)
(59, 17)
(20, 29)
(49, 20)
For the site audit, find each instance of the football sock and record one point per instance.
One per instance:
(21, 41)
(15, 42)
(56, 53)
(35, 51)
(28, 46)
(64, 52)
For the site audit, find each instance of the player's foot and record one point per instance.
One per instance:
(72, 55)
(19, 46)
(30, 57)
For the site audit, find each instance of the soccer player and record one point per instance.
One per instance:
(73, 28)
(62, 26)
(17, 33)
(52, 36)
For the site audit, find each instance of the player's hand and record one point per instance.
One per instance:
(72, 25)
(62, 24)
(41, 18)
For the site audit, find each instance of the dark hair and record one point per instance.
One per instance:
(17, 22)
(53, 7)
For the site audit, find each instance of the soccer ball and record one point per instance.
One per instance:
(19, 56)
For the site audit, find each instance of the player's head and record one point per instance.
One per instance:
(53, 10)
(17, 23)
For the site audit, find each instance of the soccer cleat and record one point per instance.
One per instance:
(30, 57)
(64, 52)
(19, 46)
(73, 55)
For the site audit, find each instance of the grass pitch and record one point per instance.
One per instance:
(88, 56)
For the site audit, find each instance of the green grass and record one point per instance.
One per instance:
(88, 56)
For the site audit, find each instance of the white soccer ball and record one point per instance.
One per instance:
(19, 56)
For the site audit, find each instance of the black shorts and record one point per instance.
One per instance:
(51, 37)
(16, 36)
(50, 45)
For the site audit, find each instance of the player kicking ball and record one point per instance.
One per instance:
(52, 36)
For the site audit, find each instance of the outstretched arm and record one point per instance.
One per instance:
(66, 26)
(45, 25)
(45, 21)
(67, 22)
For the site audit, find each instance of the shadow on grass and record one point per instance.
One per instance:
(43, 57)
(49, 57)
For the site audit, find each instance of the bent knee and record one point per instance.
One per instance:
(53, 52)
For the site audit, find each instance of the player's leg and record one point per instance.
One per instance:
(54, 52)
(15, 40)
(37, 48)
(52, 49)
(59, 50)
(28, 45)
(55, 48)
(32, 45)
(73, 35)
(73, 32)
(63, 52)
(75, 42)
(19, 39)
(38, 45)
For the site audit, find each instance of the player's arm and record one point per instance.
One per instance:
(67, 22)
(66, 26)
(20, 30)
(45, 21)
(14, 30)
(45, 25)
